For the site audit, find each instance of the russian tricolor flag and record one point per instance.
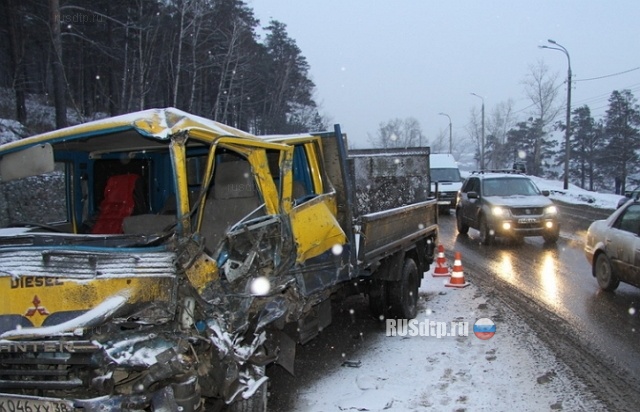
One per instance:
(484, 328)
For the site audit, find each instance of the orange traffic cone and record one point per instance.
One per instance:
(457, 274)
(442, 268)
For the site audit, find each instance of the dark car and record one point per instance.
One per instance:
(506, 203)
(612, 247)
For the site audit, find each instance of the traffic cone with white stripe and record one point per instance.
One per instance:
(442, 267)
(457, 274)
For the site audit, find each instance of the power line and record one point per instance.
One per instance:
(594, 99)
(607, 75)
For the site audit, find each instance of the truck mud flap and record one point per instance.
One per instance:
(285, 347)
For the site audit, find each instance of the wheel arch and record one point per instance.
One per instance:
(598, 250)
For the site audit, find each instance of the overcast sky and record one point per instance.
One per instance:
(376, 60)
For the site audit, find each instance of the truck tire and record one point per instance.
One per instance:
(378, 299)
(403, 293)
(256, 403)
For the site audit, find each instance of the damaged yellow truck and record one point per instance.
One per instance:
(162, 261)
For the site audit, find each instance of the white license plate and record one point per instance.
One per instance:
(528, 220)
(17, 403)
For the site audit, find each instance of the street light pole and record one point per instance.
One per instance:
(450, 136)
(567, 130)
(482, 134)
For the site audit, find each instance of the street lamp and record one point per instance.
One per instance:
(482, 134)
(567, 131)
(450, 137)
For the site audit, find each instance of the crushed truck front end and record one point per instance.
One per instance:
(80, 324)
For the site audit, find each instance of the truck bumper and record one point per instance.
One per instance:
(184, 398)
(163, 399)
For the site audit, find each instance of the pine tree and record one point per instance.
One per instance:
(623, 138)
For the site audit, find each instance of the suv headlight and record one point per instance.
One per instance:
(500, 211)
(551, 210)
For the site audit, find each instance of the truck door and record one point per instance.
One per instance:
(320, 241)
(240, 222)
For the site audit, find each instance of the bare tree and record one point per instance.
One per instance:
(399, 133)
(501, 119)
(540, 87)
(440, 144)
(474, 128)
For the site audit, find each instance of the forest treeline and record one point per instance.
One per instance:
(116, 56)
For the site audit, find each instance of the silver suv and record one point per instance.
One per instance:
(506, 204)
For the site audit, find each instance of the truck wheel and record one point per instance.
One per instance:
(463, 229)
(378, 299)
(256, 403)
(403, 293)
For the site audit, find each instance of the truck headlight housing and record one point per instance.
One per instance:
(551, 210)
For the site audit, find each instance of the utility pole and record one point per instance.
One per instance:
(482, 134)
(450, 135)
(567, 130)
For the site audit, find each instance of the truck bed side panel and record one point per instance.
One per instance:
(385, 233)
(389, 178)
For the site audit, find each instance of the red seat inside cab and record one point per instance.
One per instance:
(119, 202)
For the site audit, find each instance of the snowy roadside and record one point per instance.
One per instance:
(513, 370)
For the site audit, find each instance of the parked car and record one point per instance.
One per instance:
(611, 247)
(506, 203)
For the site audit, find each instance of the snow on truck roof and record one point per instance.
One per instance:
(158, 124)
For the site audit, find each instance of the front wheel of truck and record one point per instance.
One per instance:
(403, 293)
(378, 299)
(256, 403)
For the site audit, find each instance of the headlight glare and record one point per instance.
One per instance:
(551, 210)
(499, 211)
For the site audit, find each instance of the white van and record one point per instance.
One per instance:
(445, 176)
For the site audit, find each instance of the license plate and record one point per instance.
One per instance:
(17, 403)
(528, 220)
